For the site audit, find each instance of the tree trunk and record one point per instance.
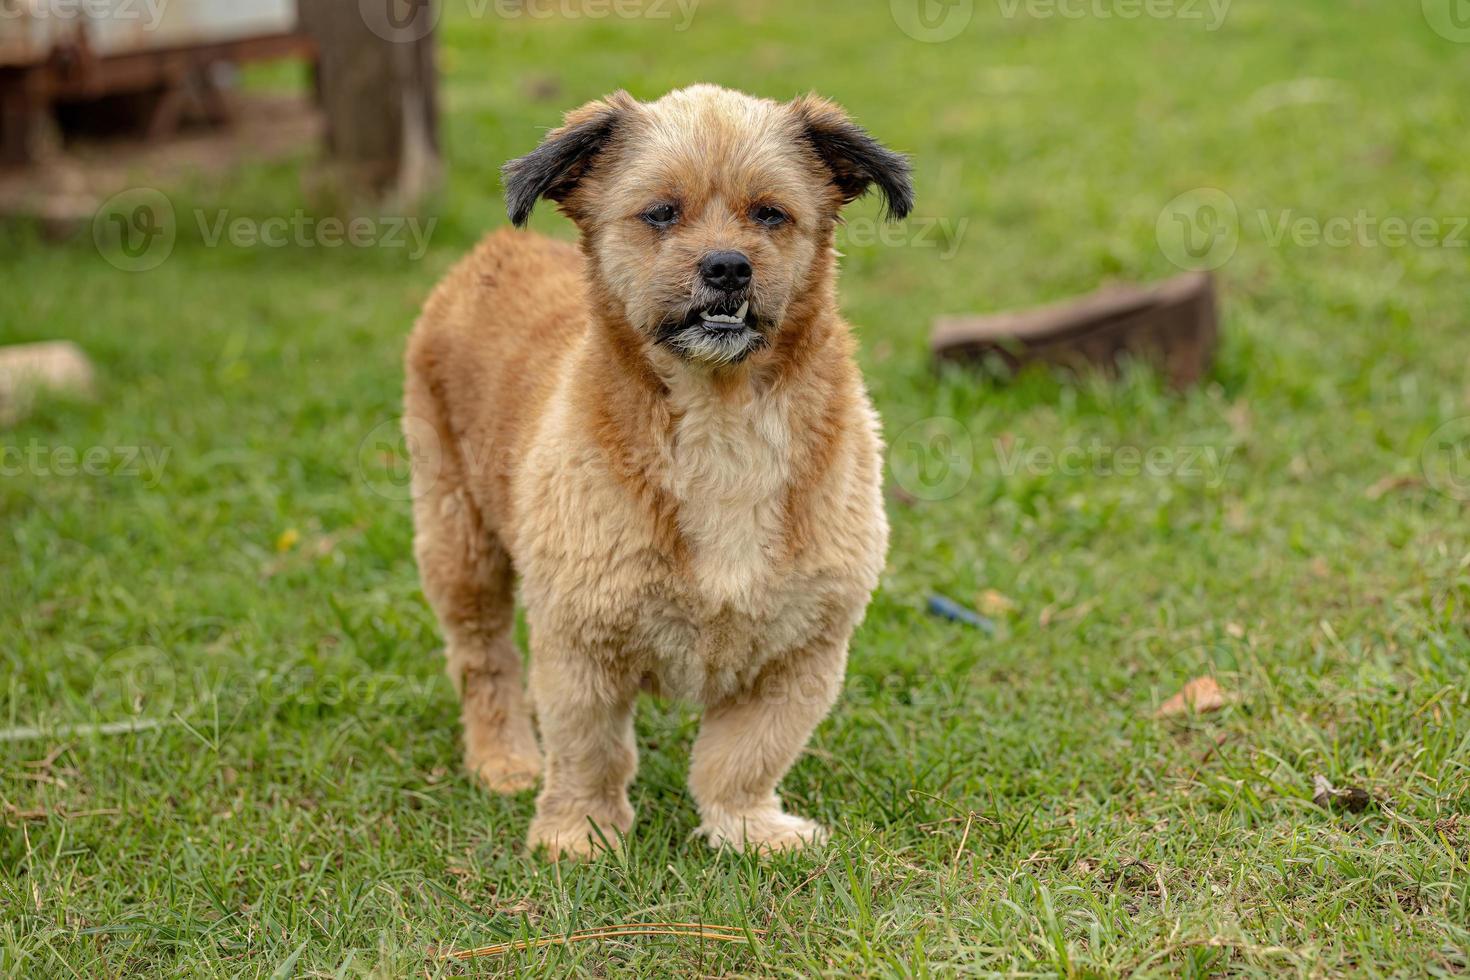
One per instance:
(378, 87)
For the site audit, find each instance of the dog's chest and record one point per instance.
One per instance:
(703, 621)
(741, 600)
(704, 653)
(728, 474)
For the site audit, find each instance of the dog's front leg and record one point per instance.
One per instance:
(585, 714)
(748, 742)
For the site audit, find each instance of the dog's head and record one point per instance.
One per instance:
(708, 215)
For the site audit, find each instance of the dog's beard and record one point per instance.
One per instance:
(718, 332)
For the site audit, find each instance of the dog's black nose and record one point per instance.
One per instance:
(728, 271)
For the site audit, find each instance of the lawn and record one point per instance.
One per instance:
(234, 566)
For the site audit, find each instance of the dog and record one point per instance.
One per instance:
(663, 437)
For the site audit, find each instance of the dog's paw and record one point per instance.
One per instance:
(505, 773)
(768, 830)
(574, 837)
(572, 847)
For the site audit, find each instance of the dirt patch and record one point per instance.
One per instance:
(65, 189)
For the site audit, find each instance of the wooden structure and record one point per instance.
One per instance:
(1173, 325)
(378, 86)
(106, 60)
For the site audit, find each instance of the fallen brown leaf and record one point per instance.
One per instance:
(1354, 799)
(1201, 695)
(993, 603)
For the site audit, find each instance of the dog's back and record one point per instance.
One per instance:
(481, 363)
(487, 351)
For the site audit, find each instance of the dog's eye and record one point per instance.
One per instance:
(661, 215)
(768, 215)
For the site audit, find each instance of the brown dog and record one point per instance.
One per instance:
(665, 437)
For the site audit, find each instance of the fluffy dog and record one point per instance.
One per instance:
(664, 437)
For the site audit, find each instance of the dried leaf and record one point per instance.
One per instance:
(993, 603)
(1353, 799)
(1199, 696)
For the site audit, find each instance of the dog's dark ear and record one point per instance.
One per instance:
(553, 168)
(857, 161)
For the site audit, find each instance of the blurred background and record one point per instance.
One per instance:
(227, 743)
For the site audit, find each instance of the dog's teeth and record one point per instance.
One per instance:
(723, 318)
(744, 309)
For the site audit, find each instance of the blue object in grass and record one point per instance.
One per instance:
(947, 608)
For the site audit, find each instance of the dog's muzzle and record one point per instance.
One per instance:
(723, 330)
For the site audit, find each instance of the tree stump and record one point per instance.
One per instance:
(378, 88)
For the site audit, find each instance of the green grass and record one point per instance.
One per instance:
(1002, 805)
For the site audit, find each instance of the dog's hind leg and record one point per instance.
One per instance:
(469, 582)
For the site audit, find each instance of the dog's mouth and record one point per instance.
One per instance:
(722, 317)
(726, 331)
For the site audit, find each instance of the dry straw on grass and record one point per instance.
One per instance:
(724, 934)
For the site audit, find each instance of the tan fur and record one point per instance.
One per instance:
(712, 530)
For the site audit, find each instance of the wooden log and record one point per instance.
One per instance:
(1173, 325)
